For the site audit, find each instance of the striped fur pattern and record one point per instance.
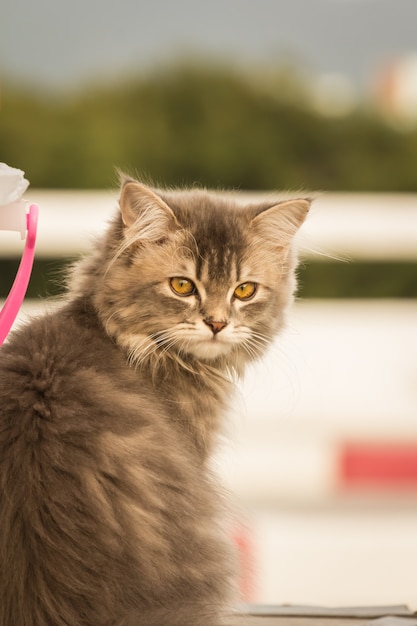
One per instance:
(110, 407)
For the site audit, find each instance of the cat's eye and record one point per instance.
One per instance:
(245, 291)
(182, 286)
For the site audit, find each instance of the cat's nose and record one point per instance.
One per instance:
(216, 327)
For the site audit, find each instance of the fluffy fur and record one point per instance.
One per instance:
(109, 410)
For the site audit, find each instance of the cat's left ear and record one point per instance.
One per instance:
(145, 212)
(281, 221)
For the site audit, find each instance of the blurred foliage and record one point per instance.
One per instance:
(327, 279)
(207, 125)
(361, 279)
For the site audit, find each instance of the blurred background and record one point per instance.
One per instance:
(311, 95)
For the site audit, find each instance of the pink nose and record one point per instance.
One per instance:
(216, 327)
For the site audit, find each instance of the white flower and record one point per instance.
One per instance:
(13, 184)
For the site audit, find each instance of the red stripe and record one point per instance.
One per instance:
(376, 464)
(243, 542)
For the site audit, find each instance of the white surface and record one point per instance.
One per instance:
(336, 558)
(359, 226)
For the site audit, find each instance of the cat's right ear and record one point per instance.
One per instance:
(143, 211)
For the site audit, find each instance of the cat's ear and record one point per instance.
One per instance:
(281, 221)
(145, 212)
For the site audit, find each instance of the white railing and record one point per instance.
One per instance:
(357, 226)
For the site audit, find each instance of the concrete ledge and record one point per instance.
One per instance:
(259, 615)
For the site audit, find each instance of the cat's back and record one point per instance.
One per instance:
(58, 391)
(57, 360)
(52, 342)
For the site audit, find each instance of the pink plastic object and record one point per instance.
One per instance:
(17, 293)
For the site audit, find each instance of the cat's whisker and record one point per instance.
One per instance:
(257, 344)
(139, 354)
(163, 337)
(249, 350)
(157, 344)
(259, 340)
(254, 345)
(166, 345)
(143, 350)
(260, 336)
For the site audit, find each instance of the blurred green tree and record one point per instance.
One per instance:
(202, 125)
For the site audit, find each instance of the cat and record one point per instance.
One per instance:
(110, 407)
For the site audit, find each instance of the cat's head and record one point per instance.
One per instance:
(197, 276)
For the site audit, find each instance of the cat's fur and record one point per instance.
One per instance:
(109, 409)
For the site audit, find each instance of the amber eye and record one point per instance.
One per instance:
(245, 291)
(182, 286)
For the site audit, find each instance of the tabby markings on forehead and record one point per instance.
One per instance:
(219, 265)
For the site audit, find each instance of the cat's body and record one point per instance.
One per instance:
(109, 410)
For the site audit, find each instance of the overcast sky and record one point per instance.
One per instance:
(64, 43)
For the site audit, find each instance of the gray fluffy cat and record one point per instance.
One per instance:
(110, 406)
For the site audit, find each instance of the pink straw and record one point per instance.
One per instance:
(17, 293)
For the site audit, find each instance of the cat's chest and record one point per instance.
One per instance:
(196, 410)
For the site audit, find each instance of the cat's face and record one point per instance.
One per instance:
(198, 276)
